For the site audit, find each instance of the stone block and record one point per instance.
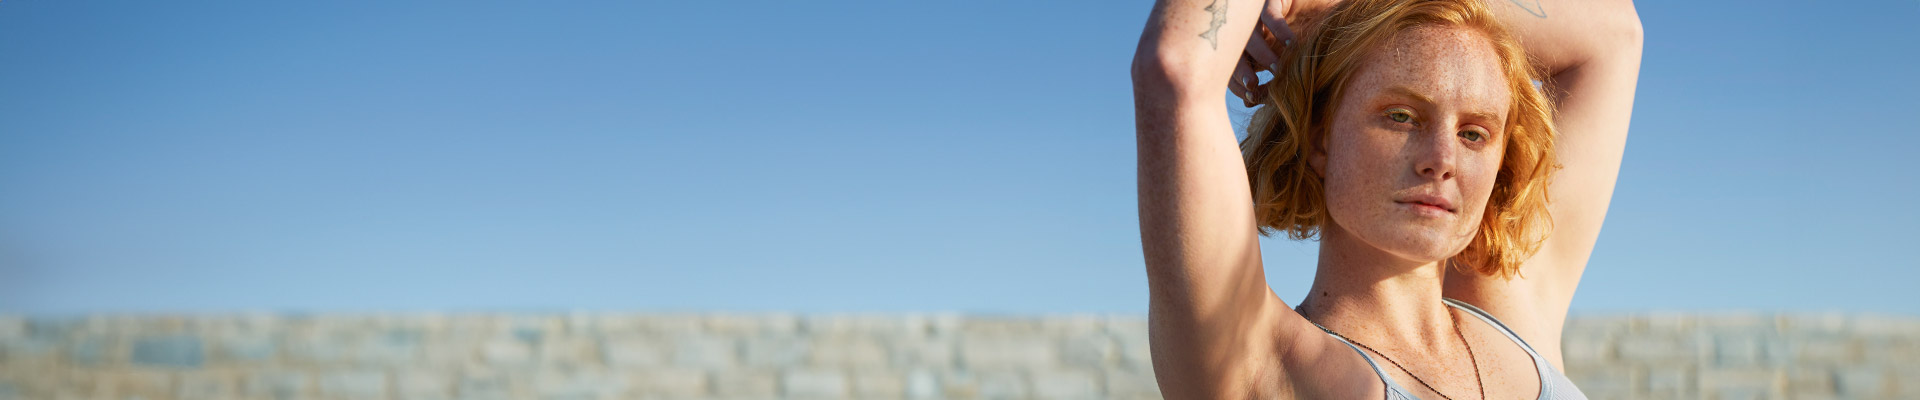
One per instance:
(568, 353)
(1089, 351)
(557, 384)
(1738, 350)
(1065, 384)
(746, 384)
(123, 384)
(634, 352)
(1600, 381)
(850, 352)
(1737, 323)
(1658, 349)
(1884, 326)
(1738, 382)
(1665, 323)
(1863, 383)
(809, 383)
(1001, 326)
(771, 351)
(93, 351)
(922, 384)
(1579, 347)
(277, 384)
(54, 329)
(1824, 349)
(1003, 384)
(1672, 381)
(1816, 324)
(681, 383)
(207, 385)
(316, 350)
(1807, 383)
(413, 384)
(244, 349)
(712, 353)
(929, 352)
(1003, 352)
(877, 384)
(739, 325)
(1073, 325)
(507, 353)
(354, 384)
(1603, 325)
(488, 383)
(1130, 383)
(170, 351)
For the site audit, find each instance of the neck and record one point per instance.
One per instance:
(1363, 292)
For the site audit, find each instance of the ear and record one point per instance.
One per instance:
(1317, 157)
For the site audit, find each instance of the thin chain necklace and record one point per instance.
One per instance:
(1416, 378)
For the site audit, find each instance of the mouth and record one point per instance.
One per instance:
(1427, 208)
(1429, 202)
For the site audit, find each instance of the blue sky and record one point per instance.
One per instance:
(819, 157)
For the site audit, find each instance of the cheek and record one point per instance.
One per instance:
(1354, 172)
(1478, 178)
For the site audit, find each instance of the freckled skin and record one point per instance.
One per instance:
(1370, 160)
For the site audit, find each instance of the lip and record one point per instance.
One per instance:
(1427, 209)
(1428, 202)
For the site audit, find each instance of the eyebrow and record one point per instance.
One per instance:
(1404, 91)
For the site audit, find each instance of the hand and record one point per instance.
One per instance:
(1269, 33)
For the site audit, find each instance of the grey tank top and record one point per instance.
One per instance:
(1553, 384)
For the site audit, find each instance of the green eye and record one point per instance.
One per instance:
(1399, 115)
(1473, 135)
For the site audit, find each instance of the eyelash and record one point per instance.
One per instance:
(1391, 113)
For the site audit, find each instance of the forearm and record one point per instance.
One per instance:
(1561, 35)
(1189, 47)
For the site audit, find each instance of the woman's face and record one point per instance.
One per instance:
(1419, 126)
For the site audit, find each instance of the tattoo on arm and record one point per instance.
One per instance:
(1535, 9)
(1212, 35)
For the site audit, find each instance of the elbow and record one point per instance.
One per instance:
(1625, 31)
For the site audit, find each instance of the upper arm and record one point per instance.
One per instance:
(1592, 51)
(1215, 328)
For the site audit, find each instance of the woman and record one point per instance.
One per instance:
(1456, 204)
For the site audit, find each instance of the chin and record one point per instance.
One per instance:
(1423, 243)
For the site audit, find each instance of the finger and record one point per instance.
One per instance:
(1239, 90)
(1260, 49)
(1273, 29)
(1242, 73)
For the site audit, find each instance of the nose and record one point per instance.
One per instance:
(1434, 158)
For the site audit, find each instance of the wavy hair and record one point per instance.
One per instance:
(1299, 105)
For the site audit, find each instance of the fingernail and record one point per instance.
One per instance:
(1275, 67)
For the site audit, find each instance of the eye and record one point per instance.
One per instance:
(1473, 135)
(1400, 115)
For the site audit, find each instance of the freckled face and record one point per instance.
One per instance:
(1422, 116)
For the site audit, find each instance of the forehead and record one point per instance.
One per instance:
(1454, 67)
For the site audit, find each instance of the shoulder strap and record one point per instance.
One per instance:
(1484, 316)
(1385, 381)
(1551, 380)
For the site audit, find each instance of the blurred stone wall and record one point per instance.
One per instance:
(770, 356)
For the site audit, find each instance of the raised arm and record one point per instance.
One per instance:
(1590, 50)
(1215, 327)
